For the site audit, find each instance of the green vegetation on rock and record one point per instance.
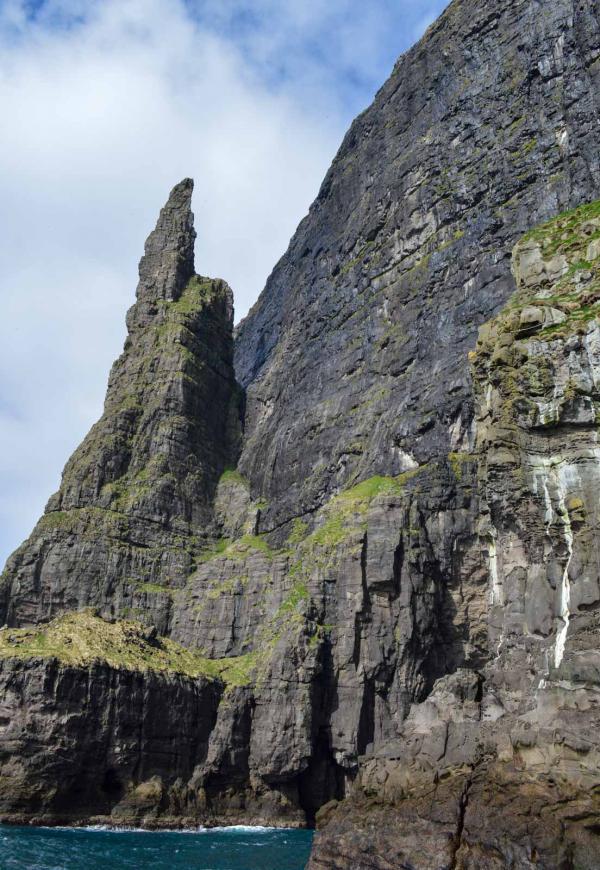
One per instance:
(342, 521)
(155, 589)
(228, 549)
(298, 533)
(219, 547)
(557, 268)
(233, 476)
(562, 234)
(195, 295)
(343, 517)
(457, 461)
(297, 594)
(569, 252)
(82, 638)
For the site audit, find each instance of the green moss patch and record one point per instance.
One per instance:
(576, 295)
(297, 594)
(346, 512)
(299, 532)
(562, 234)
(350, 264)
(344, 517)
(155, 589)
(457, 462)
(197, 293)
(510, 351)
(218, 549)
(233, 476)
(225, 548)
(82, 638)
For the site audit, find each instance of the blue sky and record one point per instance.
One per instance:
(106, 104)
(349, 46)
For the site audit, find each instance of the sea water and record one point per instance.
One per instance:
(238, 848)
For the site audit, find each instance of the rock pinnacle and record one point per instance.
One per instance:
(168, 261)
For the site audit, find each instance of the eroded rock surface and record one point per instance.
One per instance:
(385, 592)
(354, 357)
(509, 752)
(135, 503)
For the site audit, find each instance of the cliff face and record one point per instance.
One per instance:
(380, 603)
(110, 726)
(508, 755)
(354, 357)
(135, 502)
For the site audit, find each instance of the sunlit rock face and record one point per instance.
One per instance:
(537, 378)
(355, 356)
(135, 502)
(509, 753)
(376, 572)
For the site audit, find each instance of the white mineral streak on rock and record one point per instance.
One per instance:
(565, 591)
(563, 479)
(488, 398)
(540, 475)
(541, 470)
(496, 590)
(407, 462)
(549, 513)
(462, 435)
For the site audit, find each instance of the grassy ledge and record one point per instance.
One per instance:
(225, 548)
(572, 238)
(557, 269)
(82, 638)
(347, 511)
(231, 476)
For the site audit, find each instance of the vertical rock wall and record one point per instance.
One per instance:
(393, 598)
(135, 502)
(508, 752)
(354, 357)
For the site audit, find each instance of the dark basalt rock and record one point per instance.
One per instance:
(354, 356)
(135, 503)
(499, 767)
(107, 729)
(168, 262)
(394, 597)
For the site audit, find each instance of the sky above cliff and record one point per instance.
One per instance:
(105, 105)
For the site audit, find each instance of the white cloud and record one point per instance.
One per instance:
(105, 105)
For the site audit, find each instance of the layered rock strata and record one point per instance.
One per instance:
(135, 502)
(380, 601)
(354, 357)
(499, 766)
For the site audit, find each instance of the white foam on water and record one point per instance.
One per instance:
(248, 828)
(201, 829)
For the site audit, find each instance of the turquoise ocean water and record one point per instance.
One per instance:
(98, 849)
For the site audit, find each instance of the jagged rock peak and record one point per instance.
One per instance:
(142, 482)
(168, 261)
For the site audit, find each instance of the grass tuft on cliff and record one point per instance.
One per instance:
(83, 638)
(562, 234)
(557, 270)
(231, 476)
(572, 242)
(345, 513)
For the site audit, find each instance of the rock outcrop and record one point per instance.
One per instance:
(135, 503)
(126, 707)
(354, 357)
(499, 766)
(373, 579)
